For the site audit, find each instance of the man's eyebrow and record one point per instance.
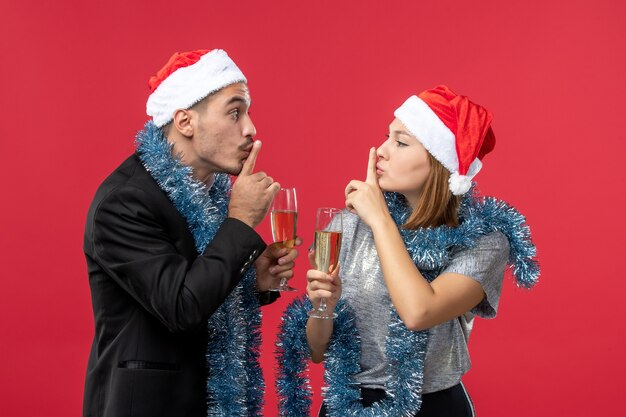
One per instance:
(236, 99)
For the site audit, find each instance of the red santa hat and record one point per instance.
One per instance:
(187, 78)
(454, 130)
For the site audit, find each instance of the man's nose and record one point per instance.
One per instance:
(249, 130)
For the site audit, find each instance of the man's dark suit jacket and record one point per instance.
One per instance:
(152, 295)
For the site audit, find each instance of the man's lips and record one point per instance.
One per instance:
(246, 150)
(379, 170)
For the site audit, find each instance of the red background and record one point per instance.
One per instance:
(325, 77)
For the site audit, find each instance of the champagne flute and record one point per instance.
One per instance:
(284, 217)
(328, 230)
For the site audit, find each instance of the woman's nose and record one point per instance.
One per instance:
(380, 151)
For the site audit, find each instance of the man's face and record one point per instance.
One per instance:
(223, 130)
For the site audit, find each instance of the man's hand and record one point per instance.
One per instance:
(252, 193)
(274, 264)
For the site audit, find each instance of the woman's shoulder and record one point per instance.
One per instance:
(492, 246)
(494, 240)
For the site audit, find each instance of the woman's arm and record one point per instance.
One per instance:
(318, 333)
(321, 284)
(420, 304)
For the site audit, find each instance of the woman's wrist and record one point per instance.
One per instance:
(318, 334)
(330, 304)
(383, 225)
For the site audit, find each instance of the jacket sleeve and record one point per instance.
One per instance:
(130, 243)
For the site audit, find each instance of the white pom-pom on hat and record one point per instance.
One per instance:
(459, 184)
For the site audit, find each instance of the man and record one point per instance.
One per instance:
(169, 248)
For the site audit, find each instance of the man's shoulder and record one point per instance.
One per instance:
(127, 172)
(129, 185)
(128, 177)
(129, 200)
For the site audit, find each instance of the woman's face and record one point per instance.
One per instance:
(403, 163)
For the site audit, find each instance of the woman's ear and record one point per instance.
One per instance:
(182, 122)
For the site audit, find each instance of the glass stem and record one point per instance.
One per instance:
(322, 306)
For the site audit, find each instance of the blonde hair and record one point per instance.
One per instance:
(437, 205)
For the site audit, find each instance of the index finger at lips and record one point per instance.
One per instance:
(248, 165)
(371, 168)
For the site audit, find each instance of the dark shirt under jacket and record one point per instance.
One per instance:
(152, 295)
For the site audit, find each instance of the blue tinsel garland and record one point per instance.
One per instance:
(429, 249)
(235, 384)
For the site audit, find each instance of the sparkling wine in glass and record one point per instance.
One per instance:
(284, 216)
(328, 230)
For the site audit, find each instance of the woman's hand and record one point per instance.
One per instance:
(321, 284)
(366, 198)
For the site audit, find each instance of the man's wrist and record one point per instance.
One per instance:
(243, 219)
(268, 297)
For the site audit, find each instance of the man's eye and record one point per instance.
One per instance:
(234, 114)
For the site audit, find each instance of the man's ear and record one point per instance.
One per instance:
(182, 122)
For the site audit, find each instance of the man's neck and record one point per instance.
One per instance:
(200, 173)
(206, 178)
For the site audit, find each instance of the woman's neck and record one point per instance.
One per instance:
(412, 198)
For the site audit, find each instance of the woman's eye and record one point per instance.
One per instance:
(400, 144)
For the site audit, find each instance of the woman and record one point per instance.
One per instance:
(418, 262)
